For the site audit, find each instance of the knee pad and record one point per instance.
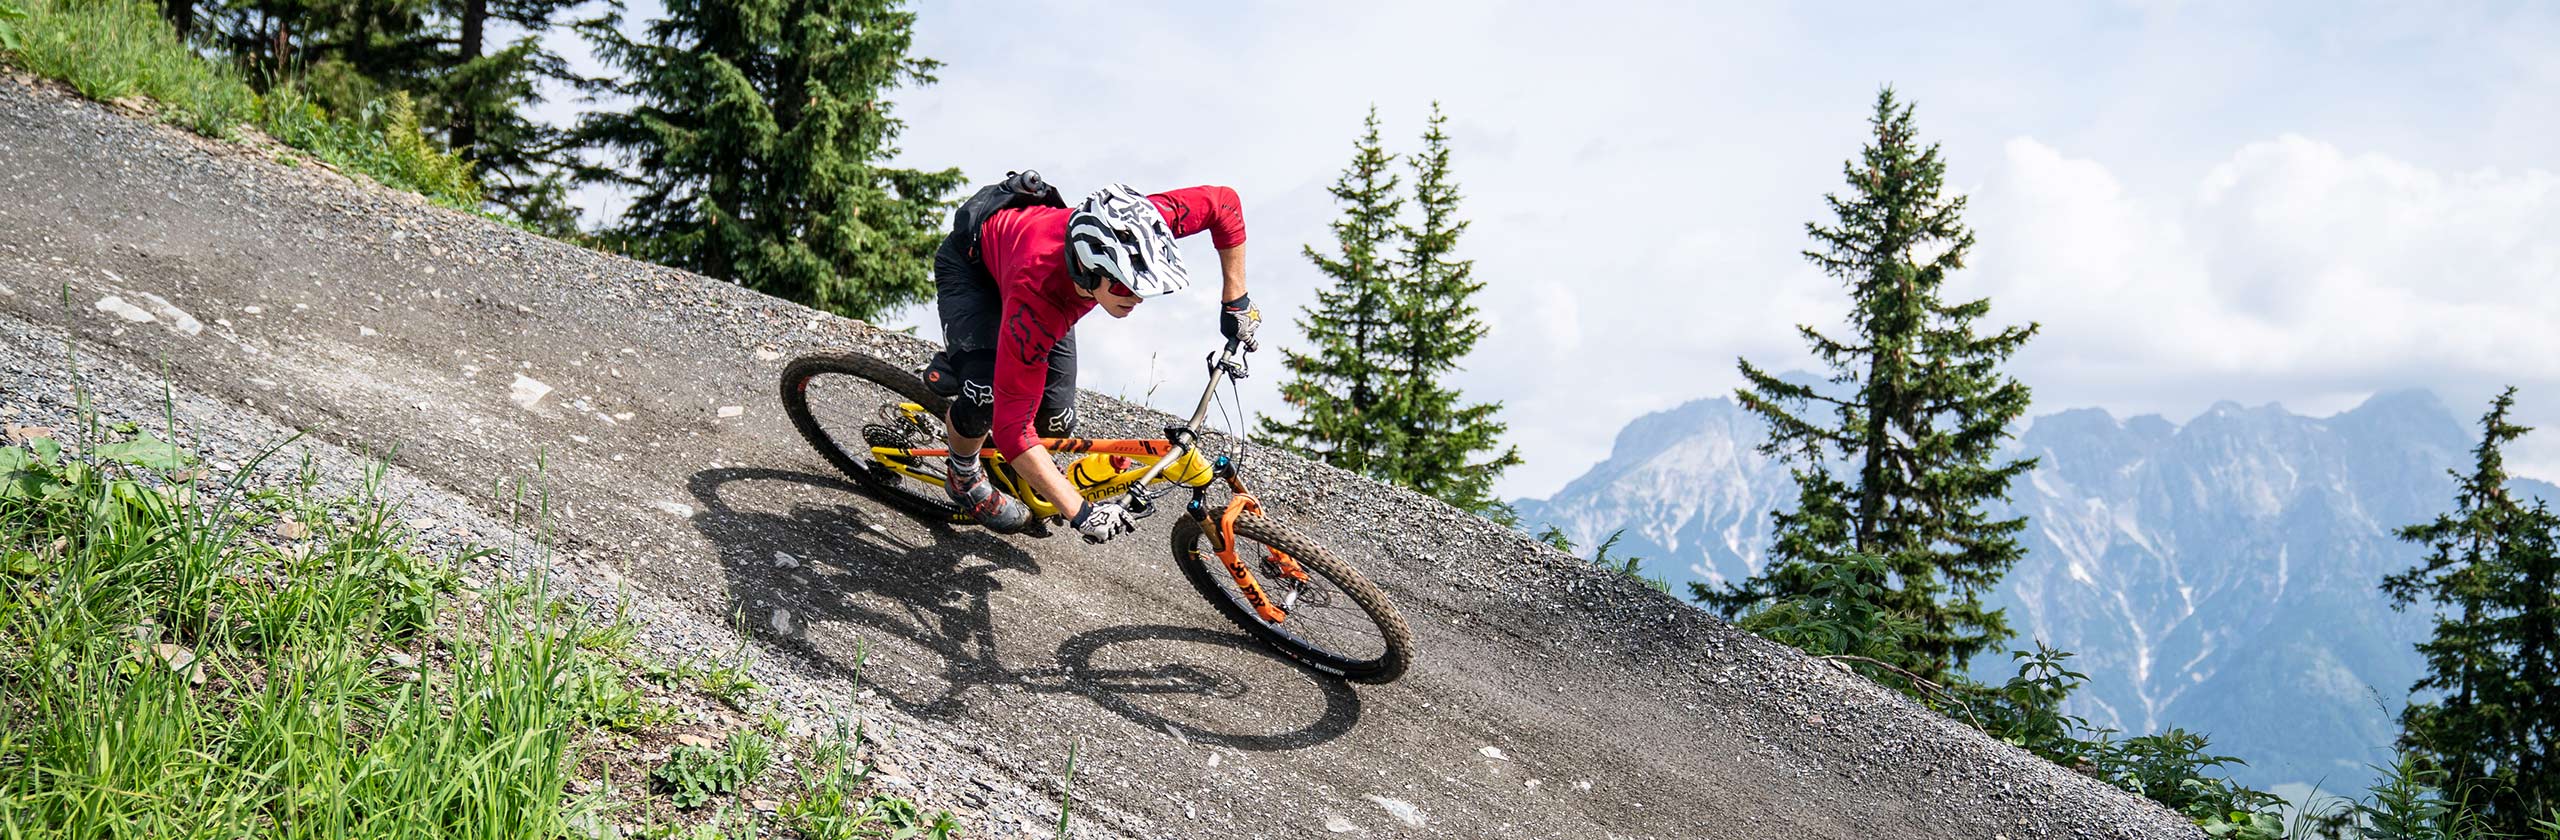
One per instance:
(941, 376)
(972, 420)
(969, 383)
(1055, 421)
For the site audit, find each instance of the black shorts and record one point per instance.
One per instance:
(965, 372)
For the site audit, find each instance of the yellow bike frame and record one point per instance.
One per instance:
(1187, 469)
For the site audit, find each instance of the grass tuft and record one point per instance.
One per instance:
(180, 658)
(113, 49)
(831, 804)
(190, 658)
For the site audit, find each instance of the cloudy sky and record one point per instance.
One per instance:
(2297, 203)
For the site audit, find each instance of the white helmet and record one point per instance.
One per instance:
(1117, 235)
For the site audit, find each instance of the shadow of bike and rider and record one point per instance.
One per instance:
(817, 546)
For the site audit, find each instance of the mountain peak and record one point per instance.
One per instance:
(2403, 402)
(2229, 408)
(2408, 414)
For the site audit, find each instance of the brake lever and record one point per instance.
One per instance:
(1232, 359)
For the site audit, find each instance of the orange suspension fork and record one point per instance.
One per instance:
(1245, 583)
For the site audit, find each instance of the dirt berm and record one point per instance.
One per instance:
(1549, 699)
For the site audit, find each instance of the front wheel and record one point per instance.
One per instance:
(1337, 621)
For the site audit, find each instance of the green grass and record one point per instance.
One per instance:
(183, 660)
(113, 49)
(831, 805)
(116, 49)
(187, 658)
(695, 775)
(383, 141)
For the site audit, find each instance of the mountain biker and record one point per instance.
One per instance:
(1011, 285)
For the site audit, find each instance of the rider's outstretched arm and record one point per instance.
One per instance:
(1231, 263)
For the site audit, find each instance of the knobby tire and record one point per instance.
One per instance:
(855, 460)
(1201, 565)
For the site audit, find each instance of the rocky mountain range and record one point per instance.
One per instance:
(2218, 575)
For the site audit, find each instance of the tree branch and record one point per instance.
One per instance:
(1916, 679)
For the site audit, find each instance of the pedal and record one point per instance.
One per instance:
(1037, 528)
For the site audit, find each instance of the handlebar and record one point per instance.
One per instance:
(1232, 359)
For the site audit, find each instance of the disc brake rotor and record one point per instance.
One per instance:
(1292, 593)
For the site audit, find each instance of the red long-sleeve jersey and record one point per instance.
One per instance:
(1026, 251)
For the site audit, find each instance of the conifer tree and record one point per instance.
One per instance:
(1441, 437)
(2493, 578)
(346, 55)
(756, 142)
(1902, 467)
(481, 99)
(1343, 388)
(1396, 319)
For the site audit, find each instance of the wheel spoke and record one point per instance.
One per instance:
(845, 406)
(1319, 616)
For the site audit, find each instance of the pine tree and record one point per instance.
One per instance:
(2493, 578)
(1903, 467)
(343, 54)
(755, 144)
(1343, 389)
(481, 99)
(1436, 326)
(1396, 320)
(347, 55)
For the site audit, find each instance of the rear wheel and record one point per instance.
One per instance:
(1337, 621)
(845, 404)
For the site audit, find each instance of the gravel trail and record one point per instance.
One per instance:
(1550, 699)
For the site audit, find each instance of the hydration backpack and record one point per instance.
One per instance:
(1018, 189)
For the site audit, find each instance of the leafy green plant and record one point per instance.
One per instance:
(694, 775)
(2174, 769)
(383, 140)
(831, 783)
(1632, 567)
(600, 695)
(10, 15)
(1841, 614)
(2026, 711)
(2243, 825)
(2402, 805)
(831, 804)
(729, 682)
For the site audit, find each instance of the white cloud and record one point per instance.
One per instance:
(2292, 271)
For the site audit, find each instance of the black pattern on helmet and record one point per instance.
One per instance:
(1117, 234)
